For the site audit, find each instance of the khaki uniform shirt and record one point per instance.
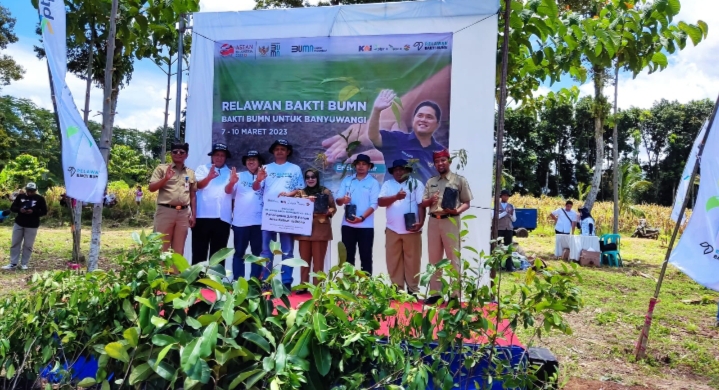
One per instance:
(439, 183)
(174, 192)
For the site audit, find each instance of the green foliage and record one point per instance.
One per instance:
(127, 164)
(145, 325)
(9, 69)
(631, 184)
(23, 169)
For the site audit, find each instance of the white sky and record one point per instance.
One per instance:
(692, 74)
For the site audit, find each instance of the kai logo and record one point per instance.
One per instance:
(46, 16)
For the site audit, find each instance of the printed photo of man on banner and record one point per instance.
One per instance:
(334, 97)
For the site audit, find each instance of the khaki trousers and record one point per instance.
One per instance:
(313, 252)
(174, 224)
(404, 255)
(439, 244)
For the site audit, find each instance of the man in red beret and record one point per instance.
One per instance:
(447, 195)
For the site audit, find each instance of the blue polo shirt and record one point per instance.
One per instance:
(398, 145)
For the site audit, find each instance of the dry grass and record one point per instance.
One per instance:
(603, 213)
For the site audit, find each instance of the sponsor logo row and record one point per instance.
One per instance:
(276, 49)
(266, 50)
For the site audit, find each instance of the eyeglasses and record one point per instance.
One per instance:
(180, 152)
(309, 177)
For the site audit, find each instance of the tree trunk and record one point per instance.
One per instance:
(163, 150)
(598, 136)
(615, 152)
(108, 114)
(77, 209)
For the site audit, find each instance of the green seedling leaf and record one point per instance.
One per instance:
(221, 255)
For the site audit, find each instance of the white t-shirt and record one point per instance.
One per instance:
(585, 227)
(397, 210)
(564, 224)
(212, 201)
(248, 202)
(364, 194)
(286, 177)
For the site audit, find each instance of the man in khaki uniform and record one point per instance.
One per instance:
(176, 203)
(439, 239)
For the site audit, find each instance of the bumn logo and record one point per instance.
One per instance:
(303, 49)
(274, 50)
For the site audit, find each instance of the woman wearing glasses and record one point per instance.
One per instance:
(313, 248)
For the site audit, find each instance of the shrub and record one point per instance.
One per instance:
(149, 327)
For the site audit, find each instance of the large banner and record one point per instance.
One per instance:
(385, 96)
(697, 253)
(84, 168)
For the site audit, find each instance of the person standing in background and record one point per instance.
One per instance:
(565, 219)
(247, 214)
(30, 206)
(176, 202)
(403, 244)
(443, 234)
(505, 227)
(214, 206)
(280, 178)
(138, 195)
(359, 194)
(313, 248)
(587, 225)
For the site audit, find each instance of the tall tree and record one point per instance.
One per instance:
(9, 69)
(631, 35)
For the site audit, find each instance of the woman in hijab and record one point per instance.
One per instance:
(313, 248)
(587, 222)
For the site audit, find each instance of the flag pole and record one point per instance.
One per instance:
(640, 349)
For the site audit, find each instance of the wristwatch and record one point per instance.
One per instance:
(362, 218)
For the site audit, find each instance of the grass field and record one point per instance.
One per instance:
(683, 349)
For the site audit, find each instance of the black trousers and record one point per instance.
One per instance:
(507, 235)
(208, 233)
(353, 237)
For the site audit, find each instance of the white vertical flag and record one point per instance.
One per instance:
(686, 175)
(697, 253)
(84, 168)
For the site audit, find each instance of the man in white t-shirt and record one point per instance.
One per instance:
(565, 219)
(281, 178)
(402, 195)
(214, 206)
(247, 214)
(359, 193)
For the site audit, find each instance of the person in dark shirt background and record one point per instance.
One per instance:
(29, 208)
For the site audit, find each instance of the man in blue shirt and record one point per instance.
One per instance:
(360, 193)
(419, 144)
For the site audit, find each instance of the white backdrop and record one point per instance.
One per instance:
(474, 24)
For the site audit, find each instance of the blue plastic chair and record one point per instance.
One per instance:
(613, 258)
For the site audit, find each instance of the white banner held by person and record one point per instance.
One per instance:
(686, 175)
(84, 168)
(697, 253)
(288, 215)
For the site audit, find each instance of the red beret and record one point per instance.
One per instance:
(441, 153)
